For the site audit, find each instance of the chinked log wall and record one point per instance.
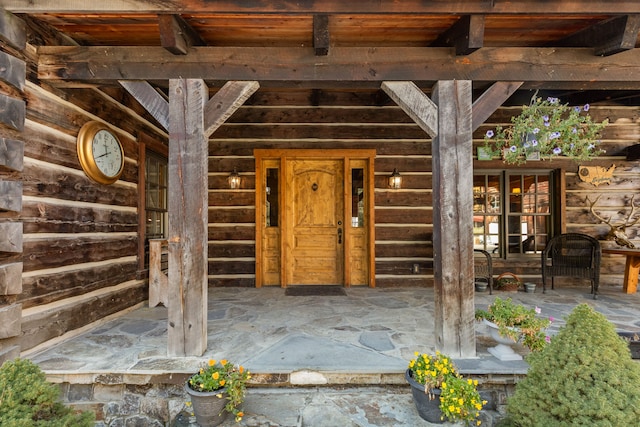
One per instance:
(78, 261)
(341, 119)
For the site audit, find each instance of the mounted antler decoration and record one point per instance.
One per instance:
(617, 233)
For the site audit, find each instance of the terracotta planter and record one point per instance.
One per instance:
(428, 408)
(208, 407)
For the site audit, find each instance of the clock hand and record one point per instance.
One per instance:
(102, 155)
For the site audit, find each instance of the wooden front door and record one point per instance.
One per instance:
(314, 224)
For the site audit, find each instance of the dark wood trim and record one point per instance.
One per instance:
(607, 37)
(466, 35)
(332, 7)
(176, 35)
(540, 67)
(321, 35)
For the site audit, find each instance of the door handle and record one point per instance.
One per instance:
(339, 236)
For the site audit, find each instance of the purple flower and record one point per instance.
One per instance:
(513, 148)
(574, 130)
(538, 310)
(554, 135)
(536, 130)
(586, 107)
(591, 147)
(577, 109)
(534, 142)
(489, 133)
(557, 151)
(546, 119)
(551, 319)
(547, 339)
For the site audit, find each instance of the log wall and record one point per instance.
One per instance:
(342, 119)
(74, 257)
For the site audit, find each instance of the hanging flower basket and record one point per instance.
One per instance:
(544, 130)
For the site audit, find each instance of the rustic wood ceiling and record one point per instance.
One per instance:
(572, 45)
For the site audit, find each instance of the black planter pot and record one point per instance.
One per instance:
(634, 343)
(428, 406)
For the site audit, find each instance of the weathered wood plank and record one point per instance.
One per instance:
(43, 217)
(72, 281)
(491, 100)
(332, 7)
(13, 30)
(321, 34)
(10, 317)
(187, 335)
(466, 35)
(12, 70)
(544, 66)
(39, 327)
(54, 253)
(11, 196)
(225, 102)
(11, 237)
(415, 103)
(12, 112)
(150, 99)
(11, 278)
(11, 154)
(176, 35)
(452, 211)
(404, 233)
(232, 232)
(158, 280)
(232, 250)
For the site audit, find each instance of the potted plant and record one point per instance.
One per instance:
(216, 389)
(546, 129)
(516, 323)
(440, 392)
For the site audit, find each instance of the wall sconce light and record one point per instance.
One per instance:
(395, 180)
(234, 180)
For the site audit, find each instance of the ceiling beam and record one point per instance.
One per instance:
(466, 35)
(321, 34)
(176, 35)
(607, 37)
(542, 66)
(445, 7)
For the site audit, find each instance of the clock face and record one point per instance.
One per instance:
(100, 153)
(107, 153)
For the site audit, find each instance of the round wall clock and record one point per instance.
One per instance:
(100, 153)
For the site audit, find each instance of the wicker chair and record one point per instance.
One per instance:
(483, 268)
(572, 255)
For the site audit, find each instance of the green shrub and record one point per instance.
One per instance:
(585, 376)
(28, 400)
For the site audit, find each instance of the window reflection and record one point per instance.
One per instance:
(357, 197)
(272, 202)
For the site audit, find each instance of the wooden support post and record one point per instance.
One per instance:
(158, 280)
(452, 152)
(188, 218)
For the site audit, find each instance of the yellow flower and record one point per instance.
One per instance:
(444, 385)
(215, 375)
(223, 362)
(212, 362)
(241, 369)
(451, 408)
(222, 383)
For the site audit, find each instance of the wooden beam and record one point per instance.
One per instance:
(176, 35)
(12, 70)
(13, 30)
(188, 210)
(321, 34)
(225, 102)
(491, 100)
(452, 211)
(11, 196)
(150, 99)
(330, 7)
(12, 112)
(11, 237)
(11, 278)
(415, 103)
(11, 154)
(10, 317)
(607, 37)
(299, 64)
(466, 35)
